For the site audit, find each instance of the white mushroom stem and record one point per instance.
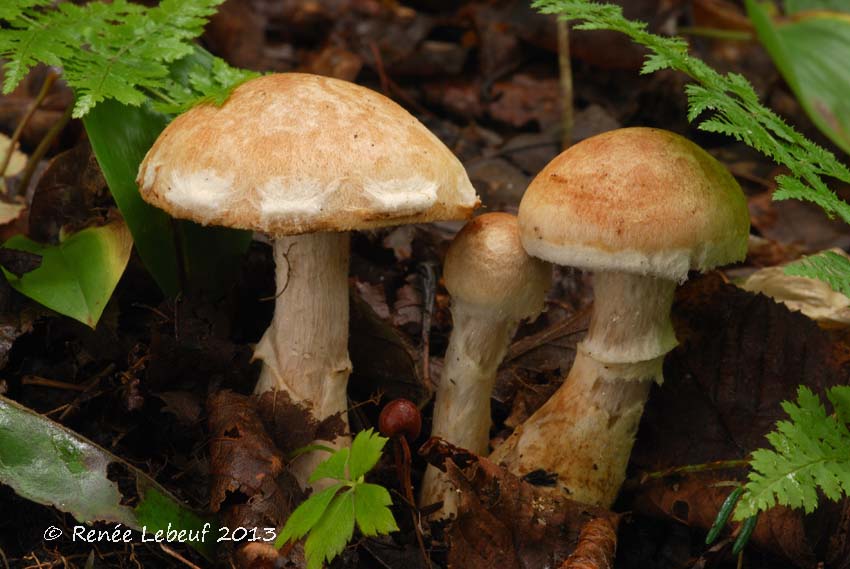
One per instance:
(305, 349)
(478, 343)
(585, 432)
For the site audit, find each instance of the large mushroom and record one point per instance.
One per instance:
(305, 159)
(493, 284)
(640, 207)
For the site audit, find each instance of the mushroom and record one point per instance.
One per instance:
(305, 159)
(640, 207)
(493, 284)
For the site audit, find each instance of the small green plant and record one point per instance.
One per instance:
(327, 517)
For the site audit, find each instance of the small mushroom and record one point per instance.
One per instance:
(305, 159)
(493, 284)
(640, 207)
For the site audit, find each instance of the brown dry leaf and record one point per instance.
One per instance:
(526, 99)
(249, 485)
(597, 546)
(292, 426)
(18, 160)
(503, 521)
(68, 193)
(383, 357)
(740, 355)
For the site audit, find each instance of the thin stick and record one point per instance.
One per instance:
(42, 148)
(566, 73)
(403, 467)
(705, 467)
(177, 556)
(46, 382)
(16, 136)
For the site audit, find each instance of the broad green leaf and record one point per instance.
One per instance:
(77, 276)
(371, 510)
(45, 462)
(333, 467)
(365, 453)
(120, 136)
(332, 533)
(175, 252)
(812, 52)
(306, 515)
(794, 6)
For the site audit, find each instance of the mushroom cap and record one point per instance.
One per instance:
(487, 267)
(641, 200)
(296, 153)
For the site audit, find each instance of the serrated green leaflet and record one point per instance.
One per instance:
(306, 515)
(365, 453)
(333, 531)
(44, 462)
(76, 277)
(371, 510)
(333, 467)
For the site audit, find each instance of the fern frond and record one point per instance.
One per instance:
(811, 452)
(829, 267)
(120, 51)
(731, 103)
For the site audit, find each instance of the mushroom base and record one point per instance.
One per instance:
(305, 349)
(585, 432)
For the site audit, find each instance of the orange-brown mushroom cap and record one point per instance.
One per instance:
(641, 200)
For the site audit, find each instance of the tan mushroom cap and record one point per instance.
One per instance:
(297, 153)
(487, 267)
(641, 200)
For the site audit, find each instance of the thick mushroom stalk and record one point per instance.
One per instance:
(494, 285)
(595, 414)
(305, 348)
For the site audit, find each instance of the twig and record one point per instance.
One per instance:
(177, 556)
(567, 327)
(43, 147)
(566, 77)
(379, 67)
(429, 293)
(3, 558)
(46, 382)
(402, 462)
(16, 136)
(705, 467)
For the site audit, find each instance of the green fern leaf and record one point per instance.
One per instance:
(811, 452)
(829, 267)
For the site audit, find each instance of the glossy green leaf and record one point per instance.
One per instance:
(179, 254)
(76, 277)
(812, 52)
(45, 462)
